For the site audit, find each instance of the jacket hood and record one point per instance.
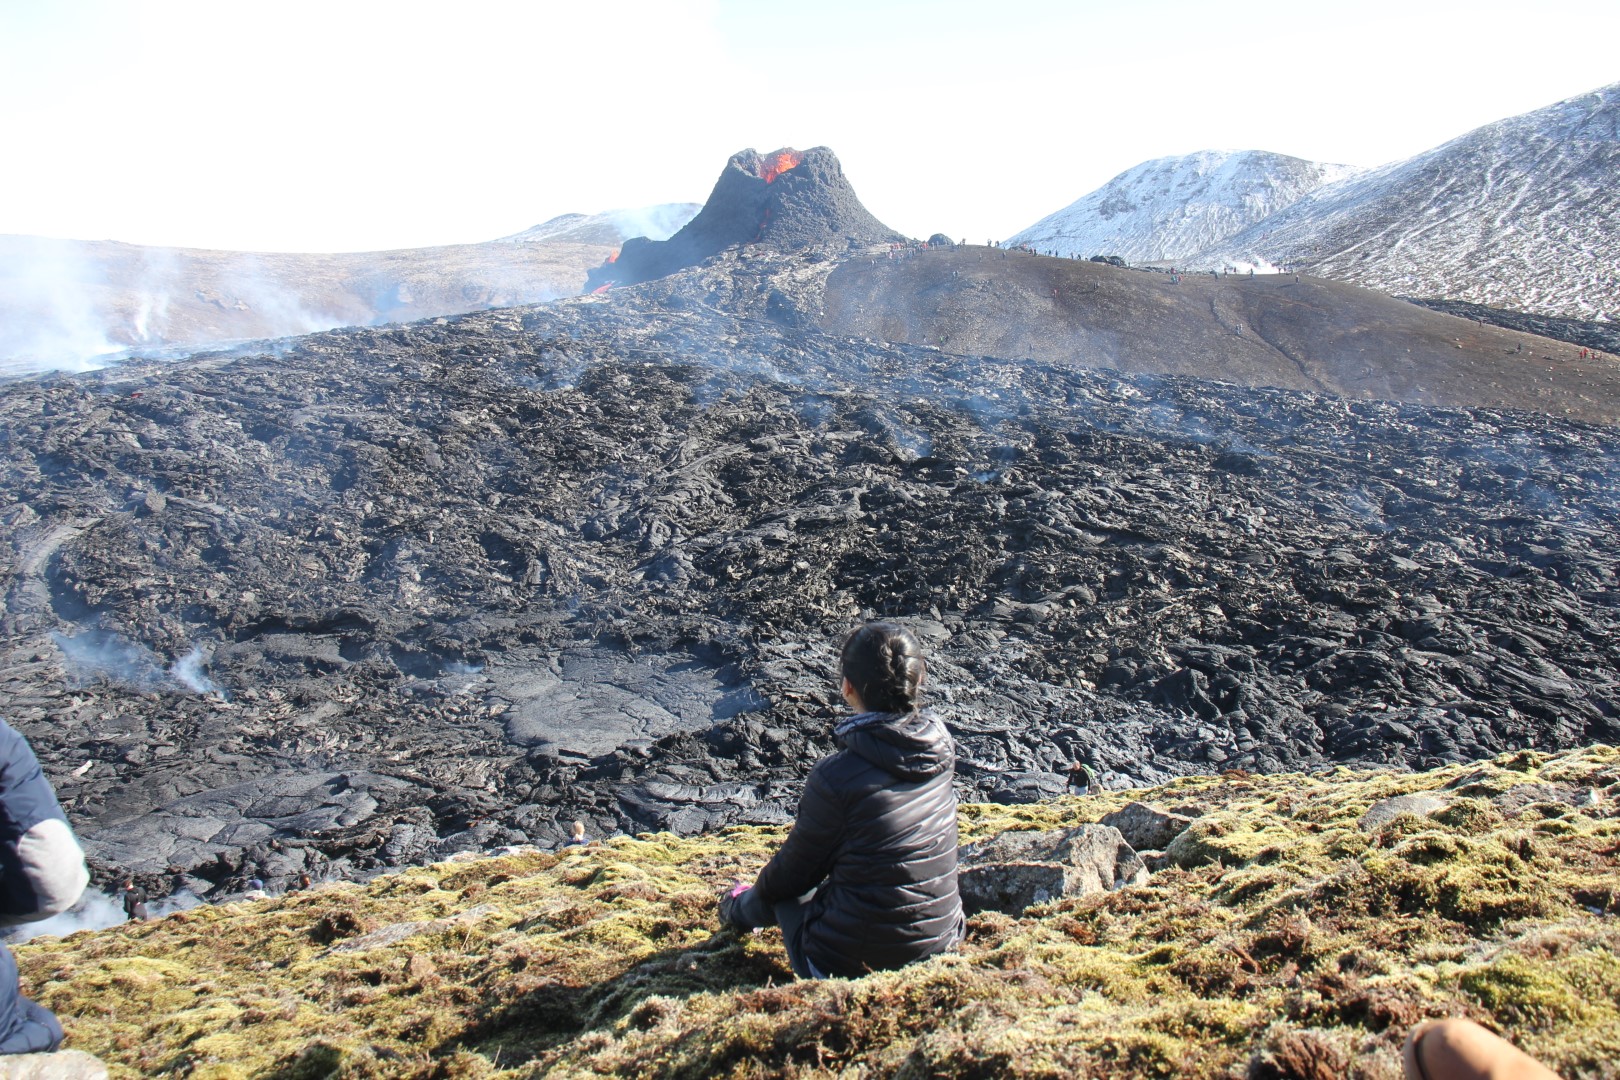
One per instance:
(910, 746)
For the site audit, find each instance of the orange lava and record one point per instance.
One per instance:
(613, 258)
(778, 163)
(602, 288)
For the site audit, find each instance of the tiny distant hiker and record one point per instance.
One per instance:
(42, 873)
(1081, 779)
(134, 898)
(578, 837)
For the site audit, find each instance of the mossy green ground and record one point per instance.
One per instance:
(1289, 943)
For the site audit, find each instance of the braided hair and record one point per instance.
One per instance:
(883, 661)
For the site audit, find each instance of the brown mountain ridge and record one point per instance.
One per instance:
(1280, 330)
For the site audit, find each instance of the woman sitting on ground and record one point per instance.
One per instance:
(867, 878)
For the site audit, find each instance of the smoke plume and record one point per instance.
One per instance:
(101, 655)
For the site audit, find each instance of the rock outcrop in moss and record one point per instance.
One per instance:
(1284, 933)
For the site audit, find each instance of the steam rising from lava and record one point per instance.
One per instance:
(102, 655)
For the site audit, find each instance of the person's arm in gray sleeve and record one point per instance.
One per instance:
(42, 871)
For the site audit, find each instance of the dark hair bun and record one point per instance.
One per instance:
(884, 662)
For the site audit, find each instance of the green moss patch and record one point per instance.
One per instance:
(1280, 941)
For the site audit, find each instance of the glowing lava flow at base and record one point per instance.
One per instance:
(778, 163)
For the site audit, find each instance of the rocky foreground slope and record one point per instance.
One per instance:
(399, 592)
(1296, 927)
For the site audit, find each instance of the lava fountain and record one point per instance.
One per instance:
(774, 165)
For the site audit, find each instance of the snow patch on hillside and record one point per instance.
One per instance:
(1170, 208)
(1523, 214)
(611, 226)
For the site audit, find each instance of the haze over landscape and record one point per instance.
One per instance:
(425, 438)
(369, 126)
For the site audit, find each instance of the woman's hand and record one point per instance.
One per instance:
(731, 902)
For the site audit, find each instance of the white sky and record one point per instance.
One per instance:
(356, 125)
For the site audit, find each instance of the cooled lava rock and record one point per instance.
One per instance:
(384, 594)
(1011, 872)
(786, 201)
(1589, 333)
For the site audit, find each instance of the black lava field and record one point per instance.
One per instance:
(380, 595)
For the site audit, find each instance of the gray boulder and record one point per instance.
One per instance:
(1384, 811)
(1146, 828)
(1521, 796)
(1015, 870)
(62, 1065)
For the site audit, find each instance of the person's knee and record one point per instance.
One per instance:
(1459, 1049)
(35, 1031)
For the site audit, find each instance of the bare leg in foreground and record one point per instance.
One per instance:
(1462, 1050)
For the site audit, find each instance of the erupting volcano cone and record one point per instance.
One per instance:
(787, 200)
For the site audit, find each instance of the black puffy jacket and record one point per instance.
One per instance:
(876, 838)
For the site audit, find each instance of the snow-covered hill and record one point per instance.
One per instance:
(1523, 213)
(1172, 207)
(611, 226)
